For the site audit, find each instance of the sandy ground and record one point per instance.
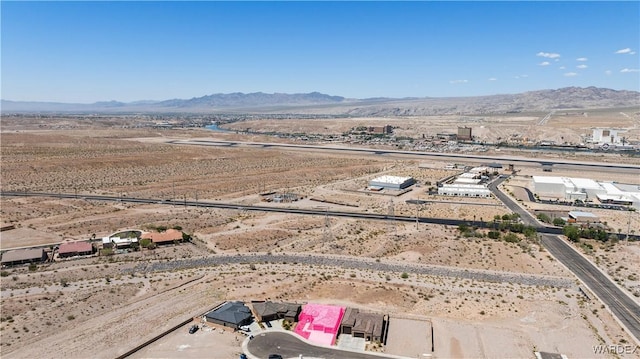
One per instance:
(73, 296)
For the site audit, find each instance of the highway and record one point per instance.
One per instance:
(301, 211)
(583, 165)
(623, 307)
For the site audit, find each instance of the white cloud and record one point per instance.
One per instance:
(608, 72)
(583, 66)
(544, 63)
(582, 59)
(458, 81)
(570, 74)
(562, 67)
(521, 76)
(493, 79)
(629, 70)
(549, 55)
(625, 51)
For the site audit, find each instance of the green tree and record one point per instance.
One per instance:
(529, 232)
(558, 222)
(571, 232)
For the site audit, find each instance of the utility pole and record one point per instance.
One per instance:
(629, 226)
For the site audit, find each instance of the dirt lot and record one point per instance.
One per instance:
(95, 305)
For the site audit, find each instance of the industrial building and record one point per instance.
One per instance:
(582, 217)
(391, 182)
(72, 249)
(363, 325)
(464, 190)
(22, 256)
(230, 314)
(566, 188)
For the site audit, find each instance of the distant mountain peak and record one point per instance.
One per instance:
(562, 98)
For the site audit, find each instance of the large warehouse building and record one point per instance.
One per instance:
(464, 190)
(586, 189)
(391, 182)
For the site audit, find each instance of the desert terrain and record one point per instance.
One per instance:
(476, 291)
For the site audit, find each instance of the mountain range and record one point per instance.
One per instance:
(317, 103)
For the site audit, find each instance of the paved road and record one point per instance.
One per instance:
(621, 305)
(290, 346)
(314, 212)
(452, 156)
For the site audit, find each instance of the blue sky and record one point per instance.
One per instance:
(128, 51)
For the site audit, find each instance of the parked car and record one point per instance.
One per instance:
(194, 328)
(243, 356)
(275, 356)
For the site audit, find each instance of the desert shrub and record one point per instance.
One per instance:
(511, 238)
(542, 217)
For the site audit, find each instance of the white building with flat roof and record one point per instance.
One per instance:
(392, 182)
(586, 189)
(464, 190)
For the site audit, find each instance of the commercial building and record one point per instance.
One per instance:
(607, 136)
(392, 182)
(464, 134)
(464, 190)
(380, 130)
(268, 311)
(363, 325)
(72, 249)
(230, 314)
(22, 256)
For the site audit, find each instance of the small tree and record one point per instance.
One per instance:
(145, 242)
(571, 232)
(404, 275)
(558, 222)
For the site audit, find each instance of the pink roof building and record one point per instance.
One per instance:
(320, 323)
